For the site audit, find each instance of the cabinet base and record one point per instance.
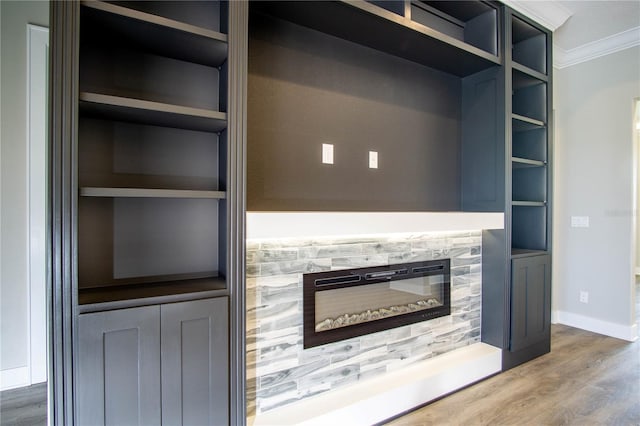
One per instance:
(513, 359)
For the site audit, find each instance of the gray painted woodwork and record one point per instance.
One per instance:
(454, 96)
(483, 151)
(162, 135)
(118, 366)
(195, 362)
(153, 33)
(368, 25)
(474, 23)
(157, 364)
(234, 221)
(495, 284)
(63, 87)
(530, 301)
(529, 184)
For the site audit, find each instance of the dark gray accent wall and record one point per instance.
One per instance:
(307, 88)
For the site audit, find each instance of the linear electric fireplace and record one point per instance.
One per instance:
(353, 302)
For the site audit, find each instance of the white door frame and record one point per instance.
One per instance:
(37, 125)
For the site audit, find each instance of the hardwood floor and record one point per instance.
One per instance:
(24, 406)
(587, 379)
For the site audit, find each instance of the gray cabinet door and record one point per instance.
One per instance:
(195, 362)
(530, 301)
(118, 380)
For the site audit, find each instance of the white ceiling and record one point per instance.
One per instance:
(591, 21)
(585, 29)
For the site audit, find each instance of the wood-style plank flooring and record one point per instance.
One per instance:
(587, 379)
(24, 407)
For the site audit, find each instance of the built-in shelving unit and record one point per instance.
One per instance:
(529, 144)
(147, 193)
(151, 140)
(473, 22)
(156, 33)
(399, 56)
(529, 46)
(460, 38)
(529, 289)
(149, 122)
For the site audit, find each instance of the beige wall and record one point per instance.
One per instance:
(14, 292)
(594, 176)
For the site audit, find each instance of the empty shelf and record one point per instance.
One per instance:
(530, 72)
(161, 35)
(385, 31)
(121, 295)
(522, 123)
(528, 203)
(518, 162)
(154, 113)
(149, 193)
(518, 252)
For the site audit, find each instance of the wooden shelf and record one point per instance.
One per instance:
(522, 123)
(156, 34)
(113, 296)
(528, 203)
(472, 22)
(522, 80)
(154, 113)
(518, 253)
(518, 162)
(529, 46)
(149, 193)
(369, 25)
(530, 72)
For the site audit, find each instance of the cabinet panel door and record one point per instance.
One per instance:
(530, 301)
(195, 362)
(118, 367)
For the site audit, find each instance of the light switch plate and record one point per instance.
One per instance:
(327, 153)
(579, 221)
(373, 159)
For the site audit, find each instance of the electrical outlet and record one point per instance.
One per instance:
(584, 296)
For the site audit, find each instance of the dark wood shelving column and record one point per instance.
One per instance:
(529, 66)
(148, 211)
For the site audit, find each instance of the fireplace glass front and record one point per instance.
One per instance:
(353, 302)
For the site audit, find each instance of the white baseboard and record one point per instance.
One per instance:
(14, 378)
(381, 398)
(619, 331)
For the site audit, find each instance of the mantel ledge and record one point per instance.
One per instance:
(262, 225)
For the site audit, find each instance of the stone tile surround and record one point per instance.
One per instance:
(280, 371)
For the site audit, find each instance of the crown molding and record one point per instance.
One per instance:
(596, 49)
(549, 14)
